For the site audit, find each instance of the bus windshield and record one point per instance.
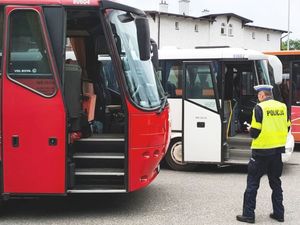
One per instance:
(142, 83)
(262, 71)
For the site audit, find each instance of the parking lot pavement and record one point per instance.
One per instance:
(209, 195)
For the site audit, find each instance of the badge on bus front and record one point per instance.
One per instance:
(81, 2)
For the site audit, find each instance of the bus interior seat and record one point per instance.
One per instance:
(104, 96)
(101, 47)
(196, 91)
(171, 89)
(208, 92)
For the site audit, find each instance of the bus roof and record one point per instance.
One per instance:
(211, 53)
(290, 52)
(52, 2)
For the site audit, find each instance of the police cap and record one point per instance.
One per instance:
(263, 87)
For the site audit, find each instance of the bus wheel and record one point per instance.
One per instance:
(174, 156)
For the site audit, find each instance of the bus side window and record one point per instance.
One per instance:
(1, 37)
(247, 83)
(199, 82)
(174, 81)
(296, 84)
(28, 56)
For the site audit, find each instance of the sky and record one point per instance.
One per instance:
(265, 13)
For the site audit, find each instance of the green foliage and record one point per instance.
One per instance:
(294, 45)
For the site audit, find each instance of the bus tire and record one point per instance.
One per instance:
(174, 155)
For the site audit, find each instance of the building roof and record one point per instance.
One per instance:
(266, 28)
(175, 15)
(212, 17)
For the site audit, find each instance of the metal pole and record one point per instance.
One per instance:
(158, 32)
(288, 36)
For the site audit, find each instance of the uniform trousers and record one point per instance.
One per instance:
(257, 167)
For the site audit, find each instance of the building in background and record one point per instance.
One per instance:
(223, 29)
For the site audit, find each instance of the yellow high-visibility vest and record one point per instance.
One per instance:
(274, 126)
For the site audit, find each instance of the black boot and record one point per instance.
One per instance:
(275, 217)
(245, 219)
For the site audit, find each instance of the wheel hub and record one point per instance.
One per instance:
(176, 153)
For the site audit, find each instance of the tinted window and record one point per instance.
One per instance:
(1, 37)
(174, 75)
(199, 82)
(296, 84)
(262, 71)
(199, 85)
(248, 82)
(28, 56)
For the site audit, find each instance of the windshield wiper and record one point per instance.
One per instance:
(163, 103)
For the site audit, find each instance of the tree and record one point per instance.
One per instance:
(294, 45)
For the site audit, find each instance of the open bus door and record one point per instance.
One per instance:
(33, 113)
(294, 98)
(202, 125)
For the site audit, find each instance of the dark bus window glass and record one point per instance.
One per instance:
(262, 71)
(199, 82)
(296, 84)
(1, 37)
(174, 75)
(248, 79)
(28, 56)
(248, 82)
(199, 86)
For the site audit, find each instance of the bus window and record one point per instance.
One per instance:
(262, 71)
(159, 75)
(1, 37)
(248, 82)
(199, 85)
(139, 74)
(28, 57)
(174, 79)
(109, 73)
(296, 84)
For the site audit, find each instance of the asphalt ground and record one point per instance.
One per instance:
(209, 195)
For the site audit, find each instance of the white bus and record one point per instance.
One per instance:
(211, 96)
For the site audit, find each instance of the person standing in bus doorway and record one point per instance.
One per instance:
(269, 129)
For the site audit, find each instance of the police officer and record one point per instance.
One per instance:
(269, 129)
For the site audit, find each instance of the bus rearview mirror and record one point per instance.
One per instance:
(143, 36)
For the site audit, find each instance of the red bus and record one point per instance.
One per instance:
(85, 126)
(291, 78)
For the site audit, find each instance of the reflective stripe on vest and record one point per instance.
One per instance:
(274, 126)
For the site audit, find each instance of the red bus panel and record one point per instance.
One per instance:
(295, 119)
(34, 126)
(148, 141)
